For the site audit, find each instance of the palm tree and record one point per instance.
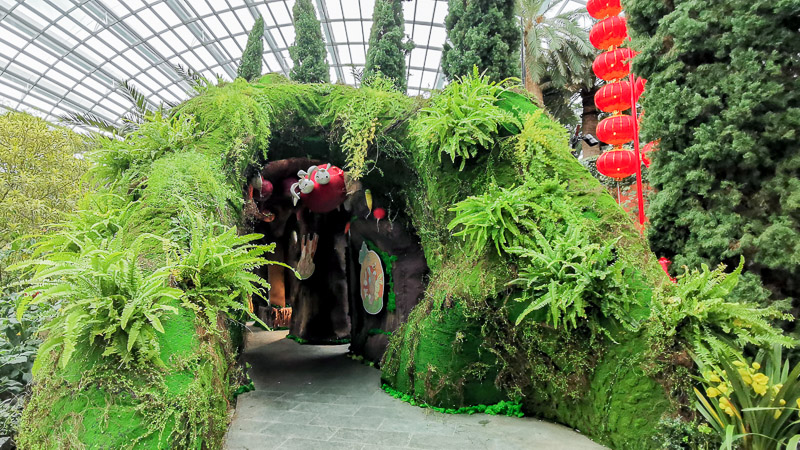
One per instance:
(558, 58)
(142, 108)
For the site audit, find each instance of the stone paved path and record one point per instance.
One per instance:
(314, 398)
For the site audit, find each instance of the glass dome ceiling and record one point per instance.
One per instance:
(59, 56)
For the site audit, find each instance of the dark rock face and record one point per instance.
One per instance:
(409, 273)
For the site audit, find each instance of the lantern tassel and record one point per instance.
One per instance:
(618, 194)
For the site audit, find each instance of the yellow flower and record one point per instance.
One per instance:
(777, 413)
(714, 378)
(723, 388)
(782, 402)
(760, 389)
(760, 378)
(726, 406)
(756, 365)
(712, 392)
(739, 364)
(798, 402)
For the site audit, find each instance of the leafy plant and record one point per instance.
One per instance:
(215, 269)
(40, 170)
(752, 406)
(507, 217)
(464, 118)
(697, 309)
(102, 295)
(571, 278)
(154, 137)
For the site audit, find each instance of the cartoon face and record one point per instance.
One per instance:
(306, 186)
(322, 176)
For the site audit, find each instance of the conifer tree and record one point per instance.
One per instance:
(250, 68)
(723, 96)
(308, 52)
(482, 33)
(387, 51)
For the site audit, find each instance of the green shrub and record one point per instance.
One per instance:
(308, 52)
(215, 270)
(507, 217)
(698, 310)
(386, 53)
(464, 118)
(102, 295)
(250, 67)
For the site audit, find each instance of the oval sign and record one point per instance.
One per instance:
(372, 283)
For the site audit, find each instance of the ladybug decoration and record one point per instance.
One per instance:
(321, 188)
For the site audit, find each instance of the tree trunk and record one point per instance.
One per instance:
(589, 120)
(530, 86)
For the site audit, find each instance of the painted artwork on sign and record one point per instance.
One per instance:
(371, 282)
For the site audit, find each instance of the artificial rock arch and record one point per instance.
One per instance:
(454, 340)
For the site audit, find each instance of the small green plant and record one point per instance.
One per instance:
(696, 309)
(752, 406)
(464, 118)
(571, 277)
(215, 269)
(506, 217)
(102, 295)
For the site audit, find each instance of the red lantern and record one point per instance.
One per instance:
(608, 33)
(600, 9)
(617, 164)
(613, 65)
(614, 97)
(615, 130)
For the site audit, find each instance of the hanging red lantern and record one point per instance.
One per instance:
(615, 130)
(600, 9)
(613, 65)
(608, 33)
(617, 164)
(614, 97)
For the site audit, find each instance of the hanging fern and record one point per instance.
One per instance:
(463, 119)
(697, 309)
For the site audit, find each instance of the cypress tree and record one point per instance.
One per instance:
(483, 33)
(250, 68)
(308, 52)
(387, 51)
(723, 95)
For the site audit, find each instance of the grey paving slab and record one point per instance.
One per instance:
(314, 398)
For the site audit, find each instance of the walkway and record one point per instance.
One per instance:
(314, 398)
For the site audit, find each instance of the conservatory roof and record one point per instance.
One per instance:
(59, 56)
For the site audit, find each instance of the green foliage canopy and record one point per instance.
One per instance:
(482, 33)
(723, 95)
(308, 52)
(40, 172)
(387, 51)
(250, 67)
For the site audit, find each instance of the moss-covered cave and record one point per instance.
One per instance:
(455, 335)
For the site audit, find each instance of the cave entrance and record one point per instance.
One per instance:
(315, 308)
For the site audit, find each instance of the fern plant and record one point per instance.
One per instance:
(505, 217)
(697, 310)
(573, 278)
(103, 298)
(752, 405)
(214, 269)
(464, 118)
